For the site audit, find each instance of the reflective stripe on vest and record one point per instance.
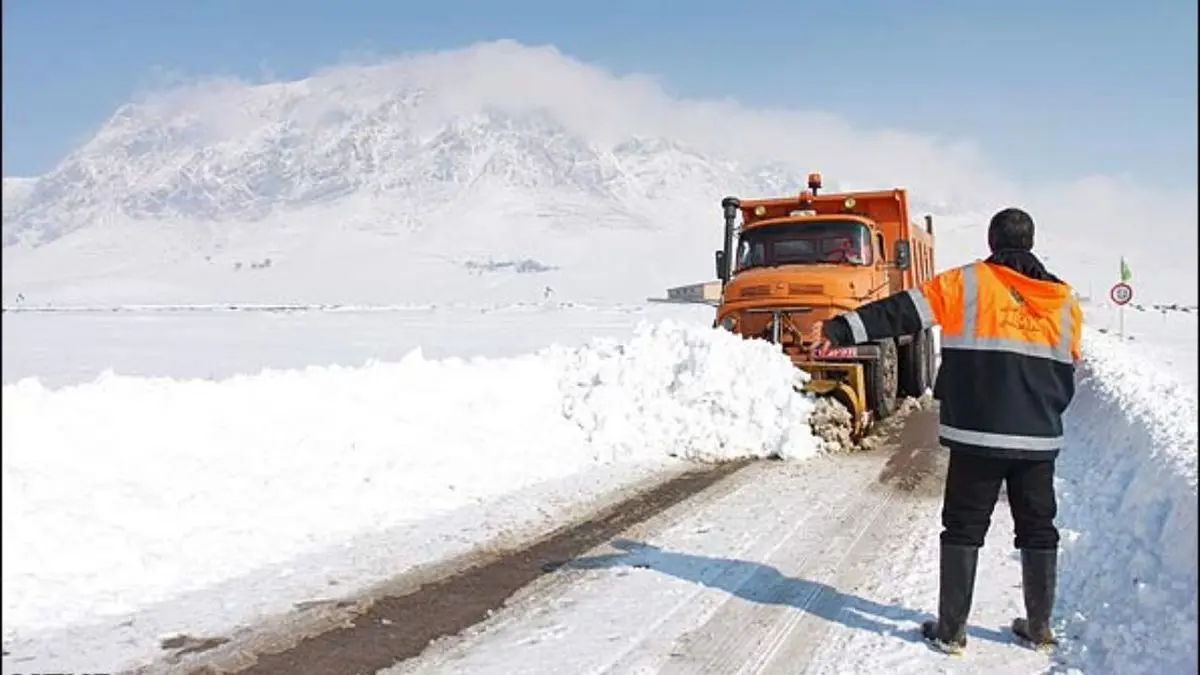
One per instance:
(924, 311)
(857, 330)
(988, 439)
(969, 340)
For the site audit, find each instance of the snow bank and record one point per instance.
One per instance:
(1128, 490)
(129, 491)
(687, 392)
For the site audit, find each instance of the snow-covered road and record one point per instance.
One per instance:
(822, 567)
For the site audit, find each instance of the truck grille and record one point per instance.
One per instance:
(806, 289)
(755, 291)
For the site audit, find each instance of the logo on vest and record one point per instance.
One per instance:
(1018, 316)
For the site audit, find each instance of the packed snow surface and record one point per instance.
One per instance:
(127, 491)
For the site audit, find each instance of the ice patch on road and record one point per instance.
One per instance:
(128, 491)
(1128, 489)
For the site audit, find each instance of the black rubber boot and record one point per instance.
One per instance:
(955, 591)
(1039, 580)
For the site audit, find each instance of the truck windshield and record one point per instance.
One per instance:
(806, 243)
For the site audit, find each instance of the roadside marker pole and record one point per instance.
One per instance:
(1121, 293)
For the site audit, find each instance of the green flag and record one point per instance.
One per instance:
(1126, 274)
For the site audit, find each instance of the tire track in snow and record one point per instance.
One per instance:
(722, 645)
(837, 630)
(908, 568)
(783, 645)
(386, 627)
(625, 611)
(802, 537)
(538, 623)
(809, 545)
(778, 611)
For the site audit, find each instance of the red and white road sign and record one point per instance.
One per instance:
(1121, 293)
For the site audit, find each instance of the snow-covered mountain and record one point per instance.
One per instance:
(144, 167)
(16, 192)
(488, 172)
(378, 167)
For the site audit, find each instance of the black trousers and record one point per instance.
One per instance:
(973, 486)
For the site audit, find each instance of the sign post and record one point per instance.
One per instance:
(1126, 293)
(1121, 293)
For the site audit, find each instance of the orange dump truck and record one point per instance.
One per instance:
(805, 258)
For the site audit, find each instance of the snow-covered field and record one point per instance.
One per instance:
(72, 347)
(1168, 339)
(181, 498)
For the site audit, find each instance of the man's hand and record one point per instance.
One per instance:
(816, 336)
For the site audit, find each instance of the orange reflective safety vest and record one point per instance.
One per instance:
(1009, 345)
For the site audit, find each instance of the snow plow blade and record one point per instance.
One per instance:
(846, 383)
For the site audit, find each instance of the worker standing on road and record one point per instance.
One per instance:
(1010, 342)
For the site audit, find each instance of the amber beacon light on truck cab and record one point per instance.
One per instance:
(806, 258)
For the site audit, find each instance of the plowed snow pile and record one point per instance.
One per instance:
(1127, 491)
(129, 491)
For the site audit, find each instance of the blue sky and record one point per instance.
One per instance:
(1049, 90)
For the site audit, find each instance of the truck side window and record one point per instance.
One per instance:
(879, 245)
(751, 254)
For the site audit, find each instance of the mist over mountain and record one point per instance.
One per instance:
(486, 173)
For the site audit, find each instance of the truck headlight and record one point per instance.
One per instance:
(729, 323)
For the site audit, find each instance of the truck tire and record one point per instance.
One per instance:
(883, 380)
(917, 365)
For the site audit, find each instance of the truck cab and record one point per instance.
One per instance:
(797, 260)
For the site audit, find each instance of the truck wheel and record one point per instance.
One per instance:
(916, 365)
(883, 381)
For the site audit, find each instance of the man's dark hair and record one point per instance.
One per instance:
(1011, 229)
